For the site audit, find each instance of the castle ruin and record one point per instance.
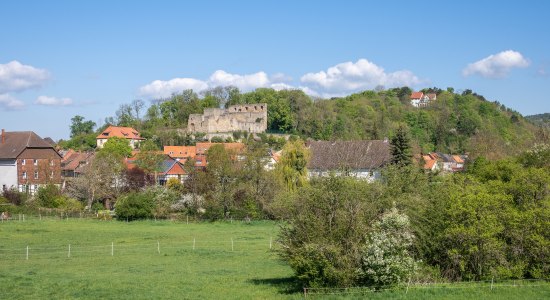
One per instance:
(246, 117)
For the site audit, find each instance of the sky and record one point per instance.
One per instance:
(59, 59)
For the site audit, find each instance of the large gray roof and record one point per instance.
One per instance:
(17, 141)
(353, 155)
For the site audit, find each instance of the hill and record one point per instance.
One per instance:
(454, 123)
(542, 120)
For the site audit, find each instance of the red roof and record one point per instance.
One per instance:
(180, 151)
(122, 132)
(417, 95)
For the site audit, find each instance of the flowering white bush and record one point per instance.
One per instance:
(385, 259)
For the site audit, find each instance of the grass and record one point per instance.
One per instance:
(229, 261)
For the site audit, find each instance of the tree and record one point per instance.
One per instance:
(221, 168)
(385, 258)
(150, 158)
(400, 147)
(79, 126)
(116, 146)
(293, 165)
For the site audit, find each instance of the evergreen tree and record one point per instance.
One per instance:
(401, 148)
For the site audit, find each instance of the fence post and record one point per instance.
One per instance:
(270, 242)
(187, 222)
(27, 252)
(69, 254)
(408, 283)
(193, 243)
(231, 244)
(158, 247)
(112, 248)
(305, 292)
(492, 280)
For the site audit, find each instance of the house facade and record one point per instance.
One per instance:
(73, 162)
(360, 159)
(436, 161)
(127, 133)
(27, 162)
(419, 99)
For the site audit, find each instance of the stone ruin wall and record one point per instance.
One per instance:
(247, 117)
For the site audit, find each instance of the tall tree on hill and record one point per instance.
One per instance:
(401, 147)
(79, 126)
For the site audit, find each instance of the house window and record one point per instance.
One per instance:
(51, 163)
(24, 175)
(35, 174)
(51, 174)
(35, 162)
(23, 162)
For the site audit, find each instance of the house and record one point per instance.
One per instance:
(436, 161)
(128, 133)
(273, 158)
(419, 99)
(181, 153)
(27, 162)
(169, 168)
(202, 149)
(361, 159)
(72, 163)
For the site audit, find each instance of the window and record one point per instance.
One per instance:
(51, 174)
(24, 175)
(52, 163)
(35, 174)
(23, 162)
(35, 162)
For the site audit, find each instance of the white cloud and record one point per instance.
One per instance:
(53, 101)
(163, 89)
(496, 65)
(16, 77)
(348, 77)
(9, 102)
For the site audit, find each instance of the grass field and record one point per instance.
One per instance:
(165, 260)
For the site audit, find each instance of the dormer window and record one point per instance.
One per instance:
(105, 134)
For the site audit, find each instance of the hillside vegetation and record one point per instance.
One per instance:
(454, 123)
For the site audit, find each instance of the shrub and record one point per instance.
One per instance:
(134, 206)
(47, 196)
(13, 196)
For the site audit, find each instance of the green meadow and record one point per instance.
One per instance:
(166, 260)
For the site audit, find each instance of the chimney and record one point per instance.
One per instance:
(3, 136)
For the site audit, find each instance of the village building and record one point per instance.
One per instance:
(235, 149)
(436, 161)
(180, 153)
(127, 133)
(73, 162)
(27, 162)
(251, 118)
(419, 99)
(360, 159)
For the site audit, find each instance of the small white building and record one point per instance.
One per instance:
(127, 133)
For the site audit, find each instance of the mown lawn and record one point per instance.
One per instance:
(119, 260)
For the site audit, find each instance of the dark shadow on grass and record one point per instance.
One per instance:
(285, 285)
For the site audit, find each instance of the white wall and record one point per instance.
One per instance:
(8, 173)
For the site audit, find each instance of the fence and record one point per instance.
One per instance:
(69, 251)
(405, 288)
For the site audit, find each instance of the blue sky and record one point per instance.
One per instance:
(63, 58)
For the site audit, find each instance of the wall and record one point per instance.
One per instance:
(247, 117)
(8, 173)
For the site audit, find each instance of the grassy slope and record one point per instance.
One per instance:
(138, 271)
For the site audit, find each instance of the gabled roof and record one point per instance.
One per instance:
(202, 148)
(16, 142)
(171, 166)
(122, 132)
(417, 95)
(180, 151)
(431, 96)
(72, 160)
(355, 155)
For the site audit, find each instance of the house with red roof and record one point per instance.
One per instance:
(436, 161)
(419, 99)
(128, 133)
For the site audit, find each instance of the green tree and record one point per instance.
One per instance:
(400, 147)
(293, 165)
(80, 127)
(116, 146)
(150, 158)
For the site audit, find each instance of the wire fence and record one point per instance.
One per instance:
(121, 248)
(405, 288)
